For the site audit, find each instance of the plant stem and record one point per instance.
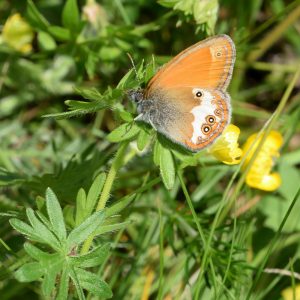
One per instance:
(115, 167)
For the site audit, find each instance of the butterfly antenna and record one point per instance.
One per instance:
(134, 67)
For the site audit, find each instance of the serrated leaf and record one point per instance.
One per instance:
(86, 228)
(55, 215)
(125, 116)
(93, 283)
(80, 207)
(92, 259)
(167, 168)
(94, 192)
(41, 230)
(29, 272)
(35, 17)
(70, 16)
(124, 132)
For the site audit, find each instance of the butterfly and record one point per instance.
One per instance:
(186, 100)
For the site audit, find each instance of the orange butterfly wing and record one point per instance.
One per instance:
(207, 64)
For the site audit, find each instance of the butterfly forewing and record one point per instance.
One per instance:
(207, 64)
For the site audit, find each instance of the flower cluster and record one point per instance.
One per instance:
(259, 175)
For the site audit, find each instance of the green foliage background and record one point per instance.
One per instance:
(100, 218)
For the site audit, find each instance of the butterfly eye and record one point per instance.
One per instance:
(218, 112)
(210, 119)
(205, 128)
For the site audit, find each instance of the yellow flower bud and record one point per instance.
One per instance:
(226, 147)
(18, 34)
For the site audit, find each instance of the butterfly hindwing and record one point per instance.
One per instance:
(200, 116)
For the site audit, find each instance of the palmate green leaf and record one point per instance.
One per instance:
(55, 215)
(81, 233)
(124, 132)
(80, 207)
(29, 272)
(42, 231)
(93, 283)
(91, 259)
(70, 16)
(167, 167)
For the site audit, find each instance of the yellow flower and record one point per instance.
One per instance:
(226, 147)
(259, 175)
(288, 293)
(18, 34)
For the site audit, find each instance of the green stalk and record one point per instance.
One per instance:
(118, 162)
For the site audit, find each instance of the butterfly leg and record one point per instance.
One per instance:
(140, 116)
(151, 123)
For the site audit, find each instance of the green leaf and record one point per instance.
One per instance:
(36, 19)
(60, 33)
(55, 215)
(119, 205)
(143, 139)
(77, 284)
(93, 283)
(23, 228)
(156, 152)
(35, 252)
(128, 80)
(125, 116)
(45, 41)
(82, 232)
(29, 272)
(48, 283)
(70, 16)
(112, 227)
(94, 193)
(124, 132)
(63, 286)
(92, 259)
(167, 168)
(41, 230)
(80, 207)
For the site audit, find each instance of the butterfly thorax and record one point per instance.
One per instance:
(152, 109)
